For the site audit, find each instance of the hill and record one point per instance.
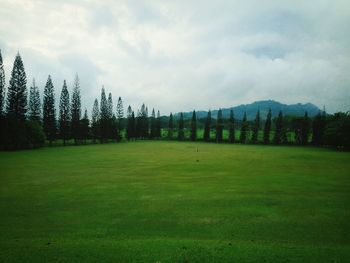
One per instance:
(263, 105)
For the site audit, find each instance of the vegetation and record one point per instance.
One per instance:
(108, 124)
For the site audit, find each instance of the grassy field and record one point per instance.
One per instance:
(167, 202)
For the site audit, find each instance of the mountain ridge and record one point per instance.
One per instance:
(297, 109)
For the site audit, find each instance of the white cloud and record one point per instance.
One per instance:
(181, 55)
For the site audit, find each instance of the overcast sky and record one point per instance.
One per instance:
(183, 55)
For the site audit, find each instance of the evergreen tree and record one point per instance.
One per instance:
(231, 124)
(143, 122)
(256, 127)
(110, 106)
(49, 112)
(104, 117)
(171, 126)
(17, 92)
(305, 129)
(76, 110)
(219, 126)
(95, 119)
(84, 127)
(181, 134)
(278, 138)
(120, 109)
(206, 134)
(193, 136)
(120, 115)
(267, 128)
(2, 85)
(112, 121)
(244, 129)
(158, 127)
(64, 117)
(34, 108)
(13, 128)
(130, 126)
(318, 128)
(153, 125)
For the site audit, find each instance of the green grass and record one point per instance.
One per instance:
(166, 202)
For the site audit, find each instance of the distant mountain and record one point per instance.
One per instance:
(264, 106)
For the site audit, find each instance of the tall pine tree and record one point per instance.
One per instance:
(16, 107)
(219, 126)
(244, 129)
(305, 129)
(279, 129)
(318, 128)
(181, 134)
(120, 115)
(207, 125)
(110, 106)
(64, 117)
(153, 125)
(104, 117)
(130, 124)
(95, 120)
(256, 127)
(231, 128)
(49, 112)
(158, 127)
(84, 127)
(193, 135)
(17, 92)
(76, 109)
(2, 85)
(267, 128)
(171, 127)
(34, 109)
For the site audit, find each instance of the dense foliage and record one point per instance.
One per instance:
(29, 123)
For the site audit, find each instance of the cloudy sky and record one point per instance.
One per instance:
(183, 55)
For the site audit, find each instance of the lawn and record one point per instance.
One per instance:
(175, 202)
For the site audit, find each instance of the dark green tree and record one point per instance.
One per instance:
(153, 132)
(130, 124)
(244, 129)
(171, 127)
(278, 137)
(2, 85)
(110, 106)
(181, 134)
(337, 131)
(64, 117)
(13, 130)
(34, 109)
(95, 121)
(231, 127)
(158, 127)
(76, 110)
(305, 129)
(318, 128)
(193, 135)
(17, 92)
(120, 115)
(104, 118)
(267, 128)
(219, 126)
(85, 127)
(256, 127)
(49, 112)
(207, 126)
(143, 122)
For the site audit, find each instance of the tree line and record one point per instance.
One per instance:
(27, 121)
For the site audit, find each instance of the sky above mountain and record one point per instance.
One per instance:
(183, 55)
